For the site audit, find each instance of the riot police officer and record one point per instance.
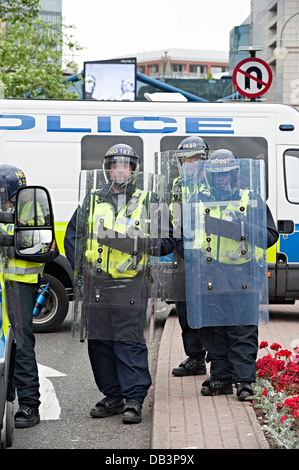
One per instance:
(192, 148)
(26, 274)
(230, 246)
(117, 298)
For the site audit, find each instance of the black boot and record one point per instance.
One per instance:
(26, 417)
(108, 406)
(132, 412)
(212, 387)
(244, 390)
(190, 367)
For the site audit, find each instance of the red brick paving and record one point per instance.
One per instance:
(183, 418)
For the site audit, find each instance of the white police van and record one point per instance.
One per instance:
(51, 141)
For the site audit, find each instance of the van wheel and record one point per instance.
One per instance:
(55, 309)
(8, 426)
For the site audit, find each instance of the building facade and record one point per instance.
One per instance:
(239, 36)
(274, 22)
(51, 10)
(182, 63)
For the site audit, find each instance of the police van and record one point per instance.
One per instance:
(52, 141)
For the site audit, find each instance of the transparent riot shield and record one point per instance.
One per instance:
(225, 242)
(113, 248)
(160, 229)
(172, 267)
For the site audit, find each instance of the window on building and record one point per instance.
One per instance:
(153, 69)
(218, 69)
(197, 70)
(178, 67)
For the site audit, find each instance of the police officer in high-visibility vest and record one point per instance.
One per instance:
(26, 274)
(115, 282)
(229, 236)
(192, 148)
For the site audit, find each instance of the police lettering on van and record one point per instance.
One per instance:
(138, 125)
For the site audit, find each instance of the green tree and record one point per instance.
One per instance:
(19, 9)
(31, 55)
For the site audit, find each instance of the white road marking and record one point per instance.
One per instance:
(49, 407)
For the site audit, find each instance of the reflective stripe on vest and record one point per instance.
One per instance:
(24, 270)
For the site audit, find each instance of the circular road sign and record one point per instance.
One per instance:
(252, 77)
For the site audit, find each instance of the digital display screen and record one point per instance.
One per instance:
(110, 80)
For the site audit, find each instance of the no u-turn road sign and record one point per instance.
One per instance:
(252, 77)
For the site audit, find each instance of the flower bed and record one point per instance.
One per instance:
(276, 395)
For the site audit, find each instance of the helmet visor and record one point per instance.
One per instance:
(191, 156)
(194, 157)
(119, 169)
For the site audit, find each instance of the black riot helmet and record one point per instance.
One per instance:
(222, 161)
(121, 153)
(193, 146)
(11, 179)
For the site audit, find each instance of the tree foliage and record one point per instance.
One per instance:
(19, 9)
(31, 53)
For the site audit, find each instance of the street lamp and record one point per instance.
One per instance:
(281, 51)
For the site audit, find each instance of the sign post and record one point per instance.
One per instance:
(252, 77)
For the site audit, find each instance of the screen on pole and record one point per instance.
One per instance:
(110, 80)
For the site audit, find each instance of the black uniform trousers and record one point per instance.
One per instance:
(190, 336)
(26, 381)
(120, 368)
(232, 351)
(116, 346)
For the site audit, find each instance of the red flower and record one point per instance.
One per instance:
(268, 366)
(284, 352)
(293, 404)
(275, 346)
(263, 344)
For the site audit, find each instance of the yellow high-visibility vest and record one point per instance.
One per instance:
(112, 261)
(225, 250)
(180, 194)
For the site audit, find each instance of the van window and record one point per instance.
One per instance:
(94, 147)
(291, 172)
(242, 147)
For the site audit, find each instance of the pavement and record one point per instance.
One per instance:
(182, 418)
